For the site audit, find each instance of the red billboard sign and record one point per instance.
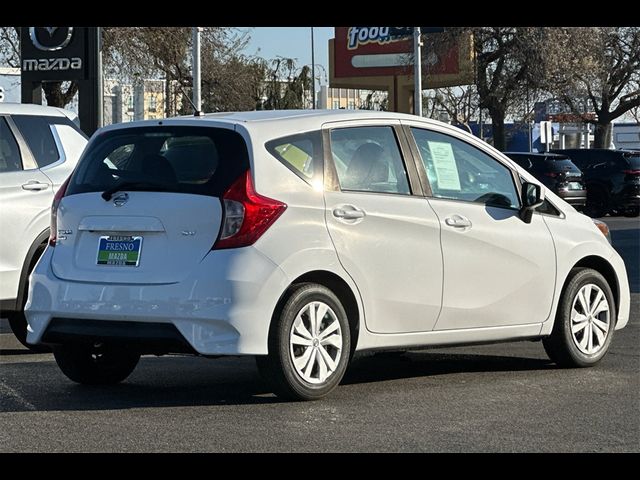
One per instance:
(376, 51)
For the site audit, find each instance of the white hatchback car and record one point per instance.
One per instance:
(301, 237)
(39, 147)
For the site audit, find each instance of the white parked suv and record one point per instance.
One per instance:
(39, 147)
(301, 237)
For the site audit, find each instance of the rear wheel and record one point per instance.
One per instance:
(597, 203)
(585, 321)
(309, 345)
(17, 320)
(632, 212)
(18, 324)
(99, 364)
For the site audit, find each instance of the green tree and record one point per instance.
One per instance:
(286, 85)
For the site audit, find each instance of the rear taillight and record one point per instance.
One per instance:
(247, 214)
(631, 172)
(53, 234)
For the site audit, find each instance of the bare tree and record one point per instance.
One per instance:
(595, 69)
(460, 104)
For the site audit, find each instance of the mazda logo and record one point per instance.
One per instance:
(121, 199)
(50, 39)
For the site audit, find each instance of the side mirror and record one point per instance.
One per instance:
(532, 198)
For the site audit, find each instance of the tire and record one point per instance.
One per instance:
(317, 373)
(597, 203)
(96, 365)
(632, 212)
(590, 343)
(18, 324)
(17, 320)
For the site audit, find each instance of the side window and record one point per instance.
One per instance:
(368, 159)
(302, 154)
(10, 159)
(37, 133)
(459, 171)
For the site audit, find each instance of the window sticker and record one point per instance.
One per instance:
(445, 166)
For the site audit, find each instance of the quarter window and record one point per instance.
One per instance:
(367, 159)
(302, 154)
(459, 171)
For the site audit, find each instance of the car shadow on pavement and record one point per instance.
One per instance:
(190, 381)
(15, 351)
(398, 365)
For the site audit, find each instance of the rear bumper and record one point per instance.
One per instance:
(223, 308)
(628, 196)
(576, 198)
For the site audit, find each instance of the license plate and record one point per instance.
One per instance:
(575, 186)
(119, 250)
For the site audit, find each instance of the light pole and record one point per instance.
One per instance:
(197, 98)
(313, 74)
(417, 72)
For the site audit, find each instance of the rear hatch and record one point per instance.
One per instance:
(632, 167)
(143, 206)
(565, 172)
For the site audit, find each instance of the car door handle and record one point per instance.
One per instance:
(458, 221)
(348, 213)
(34, 185)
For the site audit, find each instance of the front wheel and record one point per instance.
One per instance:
(99, 364)
(585, 321)
(309, 345)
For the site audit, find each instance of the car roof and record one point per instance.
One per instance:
(538, 155)
(9, 108)
(288, 120)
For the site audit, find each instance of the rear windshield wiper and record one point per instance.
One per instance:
(108, 193)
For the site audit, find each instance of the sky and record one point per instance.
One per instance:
(292, 42)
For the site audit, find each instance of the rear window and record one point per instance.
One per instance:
(561, 164)
(634, 161)
(198, 160)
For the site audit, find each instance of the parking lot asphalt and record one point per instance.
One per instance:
(494, 398)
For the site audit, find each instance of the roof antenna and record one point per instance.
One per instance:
(196, 112)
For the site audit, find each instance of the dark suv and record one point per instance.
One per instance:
(556, 172)
(612, 178)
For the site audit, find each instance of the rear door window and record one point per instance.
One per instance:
(37, 133)
(198, 160)
(368, 159)
(10, 159)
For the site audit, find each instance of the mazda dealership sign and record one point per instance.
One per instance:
(53, 53)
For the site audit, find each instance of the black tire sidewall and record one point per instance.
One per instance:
(295, 386)
(18, 324)
(76, 363)
(578, 280)
(598, 204)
